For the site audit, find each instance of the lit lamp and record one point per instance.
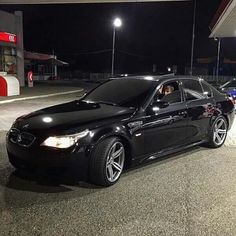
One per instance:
(116, 24)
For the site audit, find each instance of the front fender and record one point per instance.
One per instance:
(98, 135)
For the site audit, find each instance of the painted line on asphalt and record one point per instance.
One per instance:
(40, 96)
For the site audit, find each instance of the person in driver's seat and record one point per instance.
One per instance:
(170, 95)
(167, 89)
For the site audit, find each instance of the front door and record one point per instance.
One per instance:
(165, 128)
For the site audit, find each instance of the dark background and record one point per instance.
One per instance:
(152, 33)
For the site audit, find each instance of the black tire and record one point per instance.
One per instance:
(213, 141)
(98, 171)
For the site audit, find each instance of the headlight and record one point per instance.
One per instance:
(64, 141)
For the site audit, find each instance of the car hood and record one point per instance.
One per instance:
(71, 115)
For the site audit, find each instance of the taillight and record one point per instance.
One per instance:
(232, 100)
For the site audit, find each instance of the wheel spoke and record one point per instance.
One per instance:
(220, 124)
(117, 166)
(117, 153)
(110, 171)
(218, 138)
(109, 159)
(221, 131)
(113, 150)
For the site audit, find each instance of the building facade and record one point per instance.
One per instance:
(11, 44)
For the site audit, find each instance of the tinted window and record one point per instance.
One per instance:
(123, 92)
(193, 90)
(206, 90)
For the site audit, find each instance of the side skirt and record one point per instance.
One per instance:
(165, 153)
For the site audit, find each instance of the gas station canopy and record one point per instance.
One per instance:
(224, 22)
(79, 1)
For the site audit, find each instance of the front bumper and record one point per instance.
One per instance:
(75, 160)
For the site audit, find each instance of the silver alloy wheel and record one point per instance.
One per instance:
(115, 161)
(219, 132)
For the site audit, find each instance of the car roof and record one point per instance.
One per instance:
(159, 78)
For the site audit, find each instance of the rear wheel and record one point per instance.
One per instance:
(107, 162)
(218, 132)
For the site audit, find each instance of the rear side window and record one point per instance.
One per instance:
(193, 90)
(206, 90)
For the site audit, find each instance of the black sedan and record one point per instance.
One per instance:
(122, 122)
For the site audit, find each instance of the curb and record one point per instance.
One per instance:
(40, 96)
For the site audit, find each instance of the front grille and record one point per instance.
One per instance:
(21, 138)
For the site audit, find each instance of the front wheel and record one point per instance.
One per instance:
(218, 132)
(107, 162)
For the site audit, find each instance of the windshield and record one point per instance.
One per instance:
(123, 92)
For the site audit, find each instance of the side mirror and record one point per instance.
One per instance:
(156, 106)
(207, 94)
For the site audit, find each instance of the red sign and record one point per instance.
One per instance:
(7, 37)
(30, 76)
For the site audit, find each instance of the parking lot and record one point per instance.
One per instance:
(188, 193)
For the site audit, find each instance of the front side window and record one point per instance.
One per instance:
(192, 89)
(169, 92)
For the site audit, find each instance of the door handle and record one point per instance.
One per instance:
(182, 113)
(209, 104)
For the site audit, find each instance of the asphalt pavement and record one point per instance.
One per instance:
(189, 193)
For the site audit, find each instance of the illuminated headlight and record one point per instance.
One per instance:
(64, 141)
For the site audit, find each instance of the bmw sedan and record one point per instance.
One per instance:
(122, 122)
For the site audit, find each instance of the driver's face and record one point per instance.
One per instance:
(167, 90)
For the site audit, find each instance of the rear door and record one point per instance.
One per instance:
(200, 108)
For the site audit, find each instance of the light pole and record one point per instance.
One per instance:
(218, 59)
(116, 24)
(193, 36)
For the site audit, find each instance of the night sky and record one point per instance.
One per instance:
(152, 33)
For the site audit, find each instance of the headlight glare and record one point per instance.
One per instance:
(64, 141)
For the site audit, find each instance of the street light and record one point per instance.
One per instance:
(193, 36)
(116, 24)
(218, 59)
